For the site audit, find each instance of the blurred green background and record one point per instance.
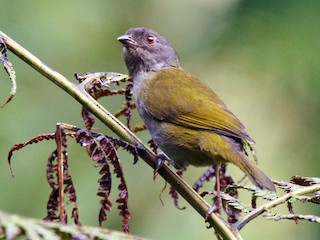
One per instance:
(261, 57)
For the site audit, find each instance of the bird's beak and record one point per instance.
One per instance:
(127, 40)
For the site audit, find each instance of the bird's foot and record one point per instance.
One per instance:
(140, 149)
(212, 209)
(215, 208)
(161, 158)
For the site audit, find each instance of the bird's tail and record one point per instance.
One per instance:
(256, 175)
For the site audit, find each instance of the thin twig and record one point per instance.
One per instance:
(263, 208)
(60, 157)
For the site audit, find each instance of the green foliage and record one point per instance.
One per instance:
(16, 227)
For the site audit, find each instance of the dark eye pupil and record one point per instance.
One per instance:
(150, 39)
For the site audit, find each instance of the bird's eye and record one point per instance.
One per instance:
(150, 39)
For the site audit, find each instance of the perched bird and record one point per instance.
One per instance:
(185, 118)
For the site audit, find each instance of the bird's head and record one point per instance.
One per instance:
(146, 50)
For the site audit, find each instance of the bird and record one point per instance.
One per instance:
(185, 117)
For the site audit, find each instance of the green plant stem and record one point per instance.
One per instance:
(192, 197)
(263, 208)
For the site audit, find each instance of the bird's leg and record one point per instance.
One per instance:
(218, 197)
(216, 207)
(161, 158)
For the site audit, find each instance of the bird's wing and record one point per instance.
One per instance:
(190, 103)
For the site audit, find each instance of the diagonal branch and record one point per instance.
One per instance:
(263, 208)
(192, 197)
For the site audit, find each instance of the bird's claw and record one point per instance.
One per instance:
(212, 209)
(140, 149)
(161, 158)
